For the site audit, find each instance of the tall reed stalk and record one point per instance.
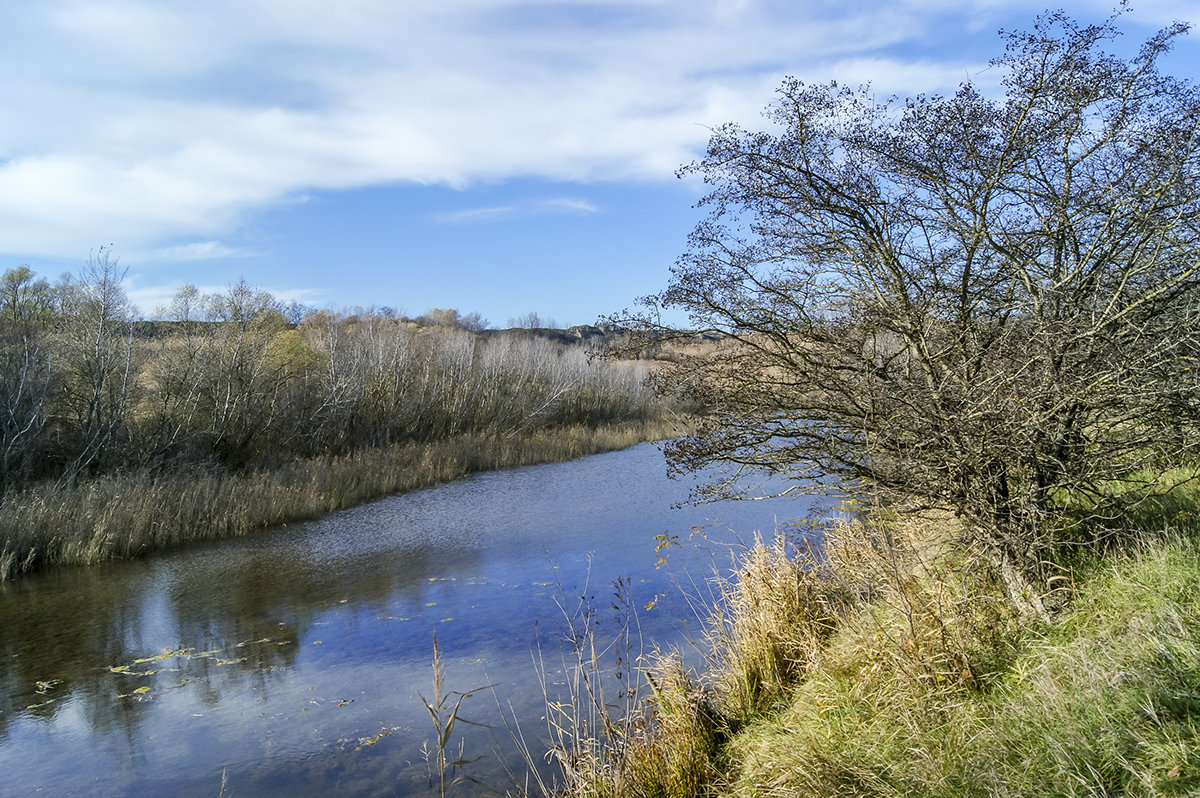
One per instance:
(443, 711)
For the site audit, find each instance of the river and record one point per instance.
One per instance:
(294, 661)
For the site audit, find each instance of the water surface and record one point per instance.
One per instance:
(292, 660)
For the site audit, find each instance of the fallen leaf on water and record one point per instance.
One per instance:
(248, 642)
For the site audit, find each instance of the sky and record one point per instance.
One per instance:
(494, 156)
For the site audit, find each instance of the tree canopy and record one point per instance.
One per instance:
(987, 304)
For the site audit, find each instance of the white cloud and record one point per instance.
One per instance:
(556, 205)
(151, 124)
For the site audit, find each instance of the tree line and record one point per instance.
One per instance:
(225, 381)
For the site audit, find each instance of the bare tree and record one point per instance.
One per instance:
(987, 305)
(177, 374)
(246, 374)
(97, 350)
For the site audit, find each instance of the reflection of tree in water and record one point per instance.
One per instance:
(82, 633)
(56, 631)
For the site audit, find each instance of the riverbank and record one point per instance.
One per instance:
(129, 515)
(891, 665)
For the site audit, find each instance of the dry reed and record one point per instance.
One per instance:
(888, 607)
(129, 515)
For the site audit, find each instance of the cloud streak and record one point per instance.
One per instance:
(570, 205)
(559, 205)
(475, 215)
(201, 250)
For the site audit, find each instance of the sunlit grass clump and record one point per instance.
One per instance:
(1105, 702)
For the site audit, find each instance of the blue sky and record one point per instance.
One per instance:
(498, 156)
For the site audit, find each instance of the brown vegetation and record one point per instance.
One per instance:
(887, 661)
(130, 514)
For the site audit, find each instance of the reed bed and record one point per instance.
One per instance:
(129, 515)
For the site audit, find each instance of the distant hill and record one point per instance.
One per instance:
(580, 333)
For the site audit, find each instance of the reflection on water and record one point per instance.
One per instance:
(292, 660)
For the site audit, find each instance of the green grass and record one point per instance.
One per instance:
(1109, 704)
(1105, 702)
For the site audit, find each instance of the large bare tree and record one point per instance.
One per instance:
(987, 304)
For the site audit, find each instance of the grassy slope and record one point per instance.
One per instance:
(891, 666)
(1104, 702)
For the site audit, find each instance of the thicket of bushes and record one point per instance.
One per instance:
(226, 382)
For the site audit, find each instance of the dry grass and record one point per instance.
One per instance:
(867, 616)
(444, 712)
(119, 517)
(1103, 703)
(672, 753)
(770, 625)
(661, 746)
(918, 627)
(884, 660)
(906, 603)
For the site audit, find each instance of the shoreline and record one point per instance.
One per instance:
(132, 515)
(828, 671)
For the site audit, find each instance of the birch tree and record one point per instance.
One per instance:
(95, 338)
